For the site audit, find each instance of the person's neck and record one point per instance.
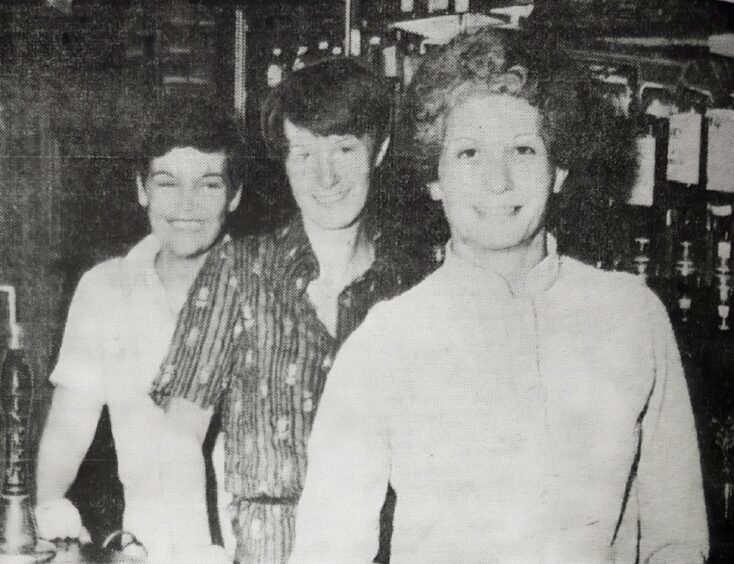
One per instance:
(513, 264)
(338, 251)
(178, 273)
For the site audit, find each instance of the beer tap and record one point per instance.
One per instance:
(642, 258)
(685, 268)
(723, 283)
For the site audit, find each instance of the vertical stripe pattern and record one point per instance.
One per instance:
(250, 341)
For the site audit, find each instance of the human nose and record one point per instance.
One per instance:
(187, 195)
(326, 172)
(496, 178)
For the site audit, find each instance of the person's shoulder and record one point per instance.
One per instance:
(403, 308)
(106, 273)
(622, 290)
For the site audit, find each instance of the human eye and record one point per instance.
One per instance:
(525, 150)
(467, 153)
(528, 147)
(164, 182)
(214, 184)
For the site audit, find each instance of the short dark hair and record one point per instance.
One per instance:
(582, 131)
(201, 123)
(335, 96)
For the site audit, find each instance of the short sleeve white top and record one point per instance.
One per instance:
(119, 327)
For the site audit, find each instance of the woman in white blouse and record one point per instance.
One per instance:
(526, 407)
(120, 323)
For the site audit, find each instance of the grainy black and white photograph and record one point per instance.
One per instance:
(355, 281)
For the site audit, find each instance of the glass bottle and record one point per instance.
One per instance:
(276, 68)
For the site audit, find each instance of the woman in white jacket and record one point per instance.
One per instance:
(526, 407)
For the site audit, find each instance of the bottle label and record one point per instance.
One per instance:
(684, 303)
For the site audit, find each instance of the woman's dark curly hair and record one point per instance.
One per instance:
(582, 131)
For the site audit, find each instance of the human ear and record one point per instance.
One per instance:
(560, 178)
(235, 201)
(382, 151)
(434, 189)
(142, 194)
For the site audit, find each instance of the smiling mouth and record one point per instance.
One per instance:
(497, 211)
(186, 224)
(330, 197)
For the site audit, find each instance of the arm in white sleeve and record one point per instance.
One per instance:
(672, 511)
(66, 437)
(75, 408)
(348, 461)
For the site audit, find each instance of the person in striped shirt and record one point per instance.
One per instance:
(267, 314)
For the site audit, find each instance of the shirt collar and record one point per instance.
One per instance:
(141, 258)
(294, 244)
(480, 281)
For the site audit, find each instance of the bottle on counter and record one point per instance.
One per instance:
(276, 68)
(391, 63)
(19, 540)
(374, 54)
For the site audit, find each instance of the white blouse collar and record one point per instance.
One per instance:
(481, 281)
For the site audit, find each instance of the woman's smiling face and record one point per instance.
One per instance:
(494, 174)
(329, 175)
(187, 195)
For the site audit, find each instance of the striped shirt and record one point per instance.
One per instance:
(250, 343)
